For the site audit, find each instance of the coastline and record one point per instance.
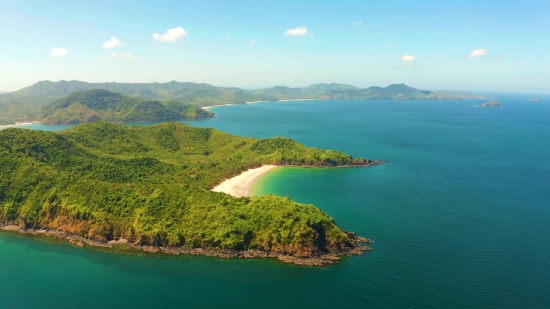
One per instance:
(124, 246)
(239, 185)
(255, 102)
(17, 125)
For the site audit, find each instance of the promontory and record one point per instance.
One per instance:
(148, 188)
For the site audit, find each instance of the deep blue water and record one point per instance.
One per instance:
(460, 216)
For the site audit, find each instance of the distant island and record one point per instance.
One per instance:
(491, 104)
(134, 188)
(30, 103)
(534, 100)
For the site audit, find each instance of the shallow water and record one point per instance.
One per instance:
(460, 218)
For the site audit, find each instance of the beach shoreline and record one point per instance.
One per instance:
(16, 125)
(240, 185)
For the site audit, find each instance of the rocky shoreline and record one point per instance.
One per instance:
(358, 248)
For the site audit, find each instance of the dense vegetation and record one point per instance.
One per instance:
(26, 104)
(150, 185)
(102, 105)
(347, 92)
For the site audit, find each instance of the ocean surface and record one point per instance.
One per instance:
(460, 216)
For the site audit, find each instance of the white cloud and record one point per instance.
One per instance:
(252, 42)
(59, 52)
(171, 35)
(113, 42)
(299, 31)
(358, 23)
(408, 58)
(477, 53)
(125, 56)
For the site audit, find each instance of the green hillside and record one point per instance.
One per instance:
(347, 92)
(150, 185)
(102, 105)
(26, 104)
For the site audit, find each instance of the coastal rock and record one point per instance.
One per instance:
(309, 259)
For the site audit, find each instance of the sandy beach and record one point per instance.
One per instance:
(208, 107)
(254, 102)
(238, 186)
(16, 125)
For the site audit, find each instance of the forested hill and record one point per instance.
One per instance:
(103, 105)
(184, 92)
(26, 104)
(347, 92)
(149, 185)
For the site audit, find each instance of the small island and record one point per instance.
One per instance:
(491, 104)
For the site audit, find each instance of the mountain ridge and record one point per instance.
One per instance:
(103, 105)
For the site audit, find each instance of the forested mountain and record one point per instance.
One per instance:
(348, 92)
(25, 104)
(150, 185)
(190, 93)
(102, 105)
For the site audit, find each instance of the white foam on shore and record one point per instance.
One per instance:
(16, 125)
(239, 186)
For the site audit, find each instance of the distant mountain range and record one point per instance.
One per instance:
(347, 92)
(103, 105)
(26, 104)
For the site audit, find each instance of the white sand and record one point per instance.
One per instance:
(17, 125)
(207, 107)
(254, 102)
(238, 186)
(297, 100)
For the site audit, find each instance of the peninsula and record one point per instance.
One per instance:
(149, 189)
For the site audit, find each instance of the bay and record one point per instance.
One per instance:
(459, 215)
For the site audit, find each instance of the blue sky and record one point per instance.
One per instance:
(459, 45)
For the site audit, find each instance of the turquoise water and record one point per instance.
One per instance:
(460, 218)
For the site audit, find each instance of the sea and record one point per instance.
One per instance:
(459, 215)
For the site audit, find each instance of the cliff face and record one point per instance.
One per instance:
(148, 185)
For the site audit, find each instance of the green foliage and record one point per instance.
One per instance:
(347, 92)
(150, 185)
(102, 105)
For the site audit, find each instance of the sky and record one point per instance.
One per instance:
(458, 45)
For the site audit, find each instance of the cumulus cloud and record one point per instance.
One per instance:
(59, 52)
(299, 31)
(125, 56)
(497, 57)
(113, 42)
(408, 58)
(171, 35)
(358, 23)
(477, 53)
(252, 42)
